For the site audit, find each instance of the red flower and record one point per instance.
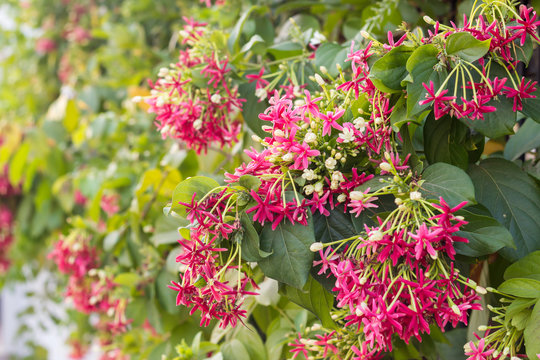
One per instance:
(524, 91)
(527, 24)
(440, 107)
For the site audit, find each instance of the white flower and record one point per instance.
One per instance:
(415, 195)
(334, 185)
(261, 94)
(216, 98)
(317, 38)
(287, 157)
(163, 72)
(337, 176)
(309, 174)
(279, 132)
(330, 163)
(318, 187)
(309, 189)
(197, 124)
(347, 135)
(341, 198)
(319, 80)
(310, 138)
(378, 120)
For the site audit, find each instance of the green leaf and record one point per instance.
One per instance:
(166, 231)
(285, 49)
(234, 38)
(513, 199)
(291, 258)
(421, 68)
(18, 163)
(521, 287)
(166, 296)
(111, 240)
(234, 350)
(517, 306)
(449, 182)
(443, 141)
(252, 343)
(250, 244)
(199, 185)
(466, 46)
(485, 234)
(314, 298)
(255, 44)
(330, 54)
(527, 267)
(532, 333)
(252, 108)
(127, 279)
(531, 107)
(250, 182)
(336, 226)
(388, 72)
(527, 138)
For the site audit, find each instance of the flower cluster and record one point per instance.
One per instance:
(194, 100)
(89, 288)
(481, 82)
(208, 283)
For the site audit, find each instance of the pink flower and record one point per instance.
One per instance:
(527, 24)
(330, 121)
(109, 204)
(478, 352)
(440, 101)
(524, 91)
(260, 82)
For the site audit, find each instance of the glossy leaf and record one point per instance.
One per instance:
(521, 287)
(443, 141)
(291, 258)
(199, 185)
(314, 298)
(513, 199)
(527, 267)
(388, 72)
(449, 182)
(466, 46)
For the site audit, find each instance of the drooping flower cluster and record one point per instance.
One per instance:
(194, 100)
(396, 278)
(209, 283)
(492, 76)
(89, 288)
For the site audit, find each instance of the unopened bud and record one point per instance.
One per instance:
(324, 70)
(319, 80)
(256, 138)
(456, 310)
(317, 246)
(429, 20)
(385, 166)
(480, 290)
(482, 328)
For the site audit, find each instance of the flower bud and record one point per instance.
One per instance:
(415, 195)
(341, 198)
(316, 246)
(385, 166)
(319, 80)
(480, 290)
(356, 195)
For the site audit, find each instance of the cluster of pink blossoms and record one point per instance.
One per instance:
(194, 100)
(88, 287)
(205, 283)
(396, 281)
(502, 45)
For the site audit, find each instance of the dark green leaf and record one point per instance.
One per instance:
(250, 246)
(291, 257)
(513, 199)
(285, 50)
(166, 296)
(443, 141)
(485, 234)
(337, 226)
(314, 298)
(497, 123)
(252, 108)
(531, 107)
(250, 182)
(449, 182)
